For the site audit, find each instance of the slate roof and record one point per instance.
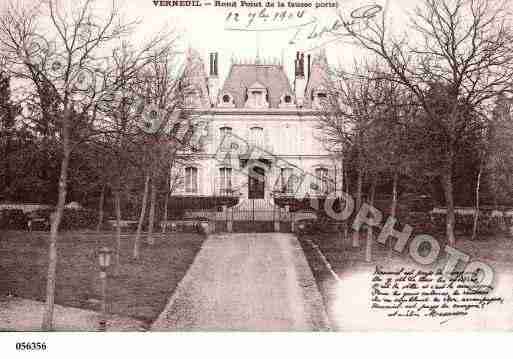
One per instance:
(319, 76)
(243, 76)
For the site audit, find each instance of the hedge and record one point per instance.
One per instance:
(72, 219)
(14, 219)
(487, 224)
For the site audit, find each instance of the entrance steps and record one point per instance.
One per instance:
(260, 204)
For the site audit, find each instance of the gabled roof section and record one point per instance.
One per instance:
(319, 76)
(244, 76)
(195, 81)
(257, 85)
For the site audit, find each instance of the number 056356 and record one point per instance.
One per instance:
(28, 346)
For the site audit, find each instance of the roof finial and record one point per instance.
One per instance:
(257, 60)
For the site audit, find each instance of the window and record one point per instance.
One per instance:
(319, 98)
(286, 100)
(225, 185)
(225, 137)
(226, 98)
(191, 180)
(322, 179)
(154, 115)
(257, 136)
(257, 96)
(225, 131)
(175, 129)
(287, 180)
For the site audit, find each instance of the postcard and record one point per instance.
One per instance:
(255, 166)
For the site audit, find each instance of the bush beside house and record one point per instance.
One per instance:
(13, 219)
(72, 219)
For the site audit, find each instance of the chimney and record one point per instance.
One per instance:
(299, 80)
(216, 69)
(309, 67)
(213, 80)
(302, 65)
(213, 64)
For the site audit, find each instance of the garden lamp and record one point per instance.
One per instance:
(104, 256)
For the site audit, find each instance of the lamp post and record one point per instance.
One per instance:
(104, 256)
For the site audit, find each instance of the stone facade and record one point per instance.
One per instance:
(256, 116)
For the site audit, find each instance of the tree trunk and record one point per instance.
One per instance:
(449, 203)
(346, 222)
(495, 185)
(151, 220)
(342, 226)
(476, 208)
(393, 209)
(117, 205)
(370, 234)
(100, 209)
(7, 169)
(359, 184)
(47, 324)
(166, 203)
(144, 204)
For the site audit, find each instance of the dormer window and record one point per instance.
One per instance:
(319, 97)
(287, 100)
(226, 100)
(191, 97)
(257, 96)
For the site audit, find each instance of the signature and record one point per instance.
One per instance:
(313, 30)
(309, 29)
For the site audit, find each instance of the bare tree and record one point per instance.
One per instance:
(127, 112)
(121, 113)
(495, 155)
(61, 52)
(350, 111)
(175, 129)
(392, 145)
(464, 46)
(66, 63)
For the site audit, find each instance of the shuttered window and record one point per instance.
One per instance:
(191, 180)
(225, 180)
(257, 136)
(322, 179)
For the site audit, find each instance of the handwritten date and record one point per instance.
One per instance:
(264, 16)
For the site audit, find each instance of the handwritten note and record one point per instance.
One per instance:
(415, 293)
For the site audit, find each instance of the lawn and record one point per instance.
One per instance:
(141, 290)
(350, 265)
(494, 250)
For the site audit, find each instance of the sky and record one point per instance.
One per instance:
(207, 29)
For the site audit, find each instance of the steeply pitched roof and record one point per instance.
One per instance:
(195, 78)
(319, 76)
(243, 76)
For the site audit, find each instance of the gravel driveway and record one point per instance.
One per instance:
(256, 282)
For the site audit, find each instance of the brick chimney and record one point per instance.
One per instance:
(299, 78)
(213, 78)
